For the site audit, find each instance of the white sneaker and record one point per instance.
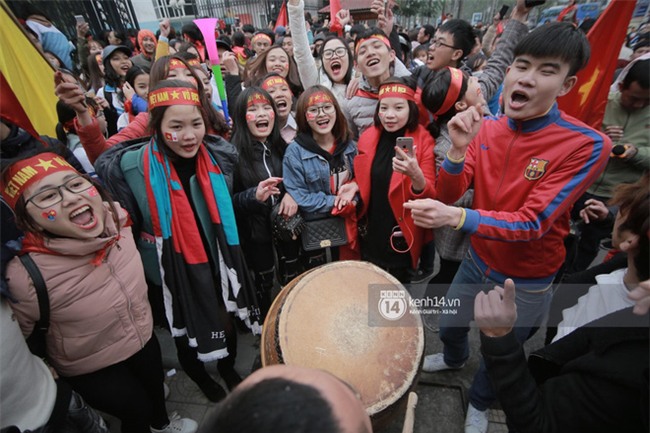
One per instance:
(436, 362)
(178, 425)
(476, 420)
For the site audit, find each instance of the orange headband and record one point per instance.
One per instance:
(274, 81)
(318, 97)
(396, 90)
(173, 96)
(262, 36)
(381, 38)
(176, 64)
(453, 91)
(27, 171)
(257, 98)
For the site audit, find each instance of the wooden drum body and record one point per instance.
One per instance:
(321, 320)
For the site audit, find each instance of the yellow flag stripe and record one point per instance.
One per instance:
(30, 76)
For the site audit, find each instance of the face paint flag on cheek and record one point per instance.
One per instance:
(50, 215)
(171, 136)
(92, 192)
(311, 116)
(250, 117)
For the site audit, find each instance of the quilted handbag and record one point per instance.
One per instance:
(323, 231)
(286, 229)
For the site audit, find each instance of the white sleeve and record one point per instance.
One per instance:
(301, 53)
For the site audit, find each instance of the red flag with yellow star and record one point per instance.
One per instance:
(588, 98)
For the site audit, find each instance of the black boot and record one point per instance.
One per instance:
(226, 366)
(195, 369)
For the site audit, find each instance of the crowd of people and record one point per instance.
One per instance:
(172, 197)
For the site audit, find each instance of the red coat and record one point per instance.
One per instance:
(423, 144)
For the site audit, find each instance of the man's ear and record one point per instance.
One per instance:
(568, 84)
(392, 55)
(457, 55)
(460, 106)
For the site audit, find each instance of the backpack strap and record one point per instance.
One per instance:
(43, 322)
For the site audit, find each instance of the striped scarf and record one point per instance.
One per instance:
(193, 279)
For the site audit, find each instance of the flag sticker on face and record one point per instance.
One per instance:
(171, 136)
(536, 169)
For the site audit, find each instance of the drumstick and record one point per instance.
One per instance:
(409, 419)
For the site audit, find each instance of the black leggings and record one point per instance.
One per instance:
(131, 390)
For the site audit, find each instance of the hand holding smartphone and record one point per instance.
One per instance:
(406, 144)
(80, 19)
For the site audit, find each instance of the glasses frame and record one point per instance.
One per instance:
(436, 43)
(333, 53)
(317, 110)
(58, 190)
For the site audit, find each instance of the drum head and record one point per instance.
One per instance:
(324, 323)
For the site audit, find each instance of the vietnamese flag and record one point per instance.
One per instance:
(27, 90)
(335, 25)
(588, 98)
(282, 17)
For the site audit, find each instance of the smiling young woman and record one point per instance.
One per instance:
(258, 189)
(100, 337)
(318, 164)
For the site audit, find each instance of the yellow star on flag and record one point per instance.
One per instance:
(175, 94)
(585, 89)
(45, 165)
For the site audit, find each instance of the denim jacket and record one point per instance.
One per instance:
(307, 177)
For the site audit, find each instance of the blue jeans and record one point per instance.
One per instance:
(533, 299)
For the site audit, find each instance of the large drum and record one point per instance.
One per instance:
(321, 320)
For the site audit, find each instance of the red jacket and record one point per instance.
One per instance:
(526, 177)
(397, 196)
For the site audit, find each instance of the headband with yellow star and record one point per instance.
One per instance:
(24, 173)
(167, 96)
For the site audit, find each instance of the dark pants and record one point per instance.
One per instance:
(131, 390)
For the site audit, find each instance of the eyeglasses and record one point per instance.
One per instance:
(339, 52)
(438, 43)
(51, 196)
(326, 109)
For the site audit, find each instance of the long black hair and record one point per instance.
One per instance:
(241, 135)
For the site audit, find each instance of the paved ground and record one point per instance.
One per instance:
(442, 396)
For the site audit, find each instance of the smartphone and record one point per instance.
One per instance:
(503, 11)
(406, 144)
(532, 3)
(80, 19)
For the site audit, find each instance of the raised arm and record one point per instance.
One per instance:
(302, 54)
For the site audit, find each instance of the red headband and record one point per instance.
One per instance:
(274, 81)
(396, 90)
(453, 91)
(262, 36)
(176, 64)
(194, 62)
(381, 38)
(24, 173)
(318, 97)
(257, 98)
(173, 96)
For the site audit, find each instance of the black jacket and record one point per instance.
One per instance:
(593, 380)
(253, 217)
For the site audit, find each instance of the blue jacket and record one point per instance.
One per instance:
(307, 177)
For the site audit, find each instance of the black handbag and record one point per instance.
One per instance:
(286, 229)
(323, 231)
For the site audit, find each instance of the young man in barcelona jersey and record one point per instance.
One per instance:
(527, 168)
